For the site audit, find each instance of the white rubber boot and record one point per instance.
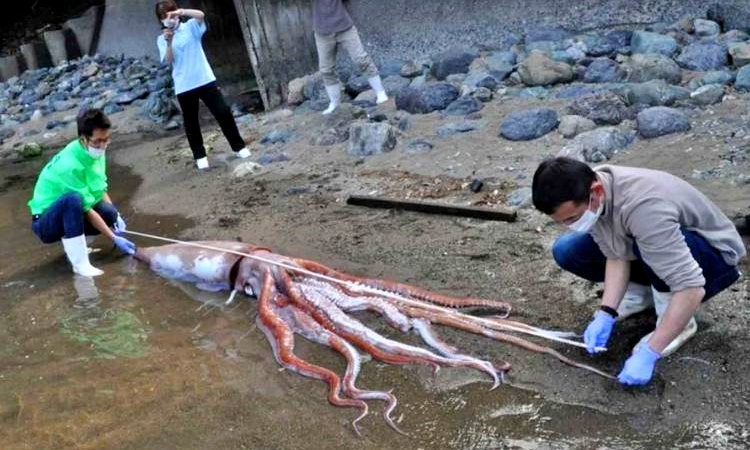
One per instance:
(201, 163)
(661, 301)
(244, 153)
(334, 93)
(377, 85)
(637, 298)
(78, 255)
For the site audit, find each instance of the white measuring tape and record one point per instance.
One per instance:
(533, 331)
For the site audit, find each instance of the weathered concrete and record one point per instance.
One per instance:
(399, 29)
(86, 29)
(35, 55)
(129, 27)
(10, 66)
(61, 44)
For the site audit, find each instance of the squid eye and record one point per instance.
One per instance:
(249, 291)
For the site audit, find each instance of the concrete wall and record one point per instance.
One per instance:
(408, 28)
(129, 27)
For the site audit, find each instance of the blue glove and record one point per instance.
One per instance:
(124, 245)
(119, 225)
(639, 368)
(598, 331)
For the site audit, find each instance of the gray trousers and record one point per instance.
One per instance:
(327, 46)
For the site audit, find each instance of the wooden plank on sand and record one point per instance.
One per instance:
(504, 214)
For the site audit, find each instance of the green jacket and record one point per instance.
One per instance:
(70, 170)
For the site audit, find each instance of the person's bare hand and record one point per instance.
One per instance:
(176, 14)
(168, 34)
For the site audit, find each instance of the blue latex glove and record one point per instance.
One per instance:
(639, 368)
(598, 331)
(120, 225)
(124, 245)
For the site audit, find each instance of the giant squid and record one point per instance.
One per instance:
(301, 297)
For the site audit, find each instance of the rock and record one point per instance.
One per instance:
(35, 116)
(528, 125)
(611, 42)
(706, 28)
(273, 158)
(450, 129)
(419, 146)
(707, 95)
(276, 137)
(603, 70)
(368, 139)
(246, 168)
(410, 70)
(357, 84)
(43, 89)
(403, 123)
(314, 89)
(740, 53)
(742, 83)
(661, 120)
(497, 64)
(604, 108)
(295, 91)
(655, 93)
(598, 145)
(733, 36)
(571, 125)
(129, 97)
(703, 56)
(427, 98)
(549, 33)
(390, 67)
(6, 133)
(463, 105)
(519, 198)
(539, 70)
(731, 14)
(172, 125)
(30, 150)
(482, 94)
(713, 77)
(574, 91)
(63, 105)
(89, 71)
(648, 42)
(654, 66)
(456, 79)
(476, 80)
(395, 83)
(452, 61)
(113, 108)
(160, 107)
(535, 93)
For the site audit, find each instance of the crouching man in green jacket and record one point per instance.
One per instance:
(70, 197)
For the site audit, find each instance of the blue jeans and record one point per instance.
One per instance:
(65, 219)
(578, 253)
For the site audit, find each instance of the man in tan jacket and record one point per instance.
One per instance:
(652, 238)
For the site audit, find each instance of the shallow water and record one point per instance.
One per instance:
(130, 360)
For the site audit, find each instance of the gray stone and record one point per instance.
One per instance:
(528, 125)
(534, 93)
(648, 42)
(295, 91)
(539, 70)
(427, 98)
(368, 139)
(574, 91)
(452, 61)
(598, 145)
(660, 120)
(395, 83)
(43, 89)
(276, 137)
(456, 79)
(63, 105)
(733, 36)
(160, 107)
(654, 66)
(732, 14)
(480, 79)
(706, 28)
(742, 83)
(410, 69)
(246, 168)
(713, 77)
(482, 94)
(707, 95)
(519, 198)
(450, 129)
(654, 93)
(604, 108)
(30, 150)
(418, 146)
(314, 88)
(740, 53)
(703, 56)
(463, 105)
(572, 125)
(113, 108)
(603, 70)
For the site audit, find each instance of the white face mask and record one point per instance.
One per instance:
(95, 152)
(587, 220)
(170, 23)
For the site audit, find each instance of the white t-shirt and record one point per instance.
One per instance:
(190, 68)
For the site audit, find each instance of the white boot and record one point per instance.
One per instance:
(334, 93)
(661, 301)
(377, 85)
(244, 153)
(201, 163)
(78, 255)
(637, 298)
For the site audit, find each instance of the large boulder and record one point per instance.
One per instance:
(652, 66)
(426, 98)
(740, 53)
(463, 105)
(603, 70)
(604, 108)
(661, 120)
(706, 28)
(598, 145)
(703, 56)
(707, 95)
(538, 69)
(713, 77)
(730, 14)
(648, 42)
(452, 61)
(742, 83)
(572, 125)
(654, 93)
(366, 139)
(528, 125)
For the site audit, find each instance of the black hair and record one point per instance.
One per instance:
(162, 8)
(558, 180)
(90, 119)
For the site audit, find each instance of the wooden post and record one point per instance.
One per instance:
(503, 214)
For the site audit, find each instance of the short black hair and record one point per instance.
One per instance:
(90, 119)
(163, 7)
(558, 180)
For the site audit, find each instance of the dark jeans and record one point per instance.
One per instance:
(65, 219)
(212, 98)
(579, 254)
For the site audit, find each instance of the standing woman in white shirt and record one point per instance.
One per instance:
(180, 46)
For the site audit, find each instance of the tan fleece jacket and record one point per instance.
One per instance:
(649, 207)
